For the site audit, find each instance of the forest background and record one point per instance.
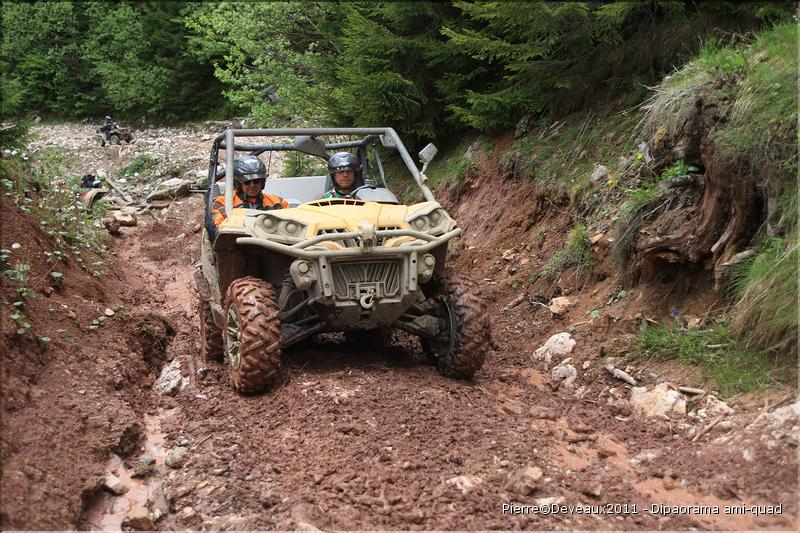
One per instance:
(426, 68)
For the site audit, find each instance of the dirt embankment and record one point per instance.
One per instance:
(359, 438)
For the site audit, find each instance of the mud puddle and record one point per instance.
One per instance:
(139, 478)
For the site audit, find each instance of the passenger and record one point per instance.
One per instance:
(250, 174)
(344, 169)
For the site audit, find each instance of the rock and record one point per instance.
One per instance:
(524, 481)
(472, 151)
(716, 407)
(111, 224)
(125, 219)
(188, 512)
(108, 311)
(170, 189)
(599, 173)
(693, 322)
(115, 485)
(465, 483)
(594, 490)
(558, 345)
(691, 390)
(660, 401)
(159, 502)
(177, 457)
(644, 457)
(560, 305)
(513, 407)
(523, 126)
(567, 373)
(544, 413)
(552, 500)
(139, 518)
(170, 381)
(785, 416)
(619, 374)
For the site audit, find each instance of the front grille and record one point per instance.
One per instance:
(350, 279)
(354, 243)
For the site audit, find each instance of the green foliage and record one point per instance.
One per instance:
(642, 196)
(449, 168)
(765, 315)
(574, 252)
(142, 164)
(733, 368)
(77, 58)
(297, 164)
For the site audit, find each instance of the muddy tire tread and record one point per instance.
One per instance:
(473, 332)
(260, 341)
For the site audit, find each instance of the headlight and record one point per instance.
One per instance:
(432, 220)
(277, 226)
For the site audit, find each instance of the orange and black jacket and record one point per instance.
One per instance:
(268, 201)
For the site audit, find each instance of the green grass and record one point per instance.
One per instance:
(733, 368)
(650, 189)
(765, 315)
(141, 165)
(574, 252)
(449, 168)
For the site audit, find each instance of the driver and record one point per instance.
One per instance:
(343, 168)
(250, 174)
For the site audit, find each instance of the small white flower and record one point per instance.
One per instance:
(16, 246)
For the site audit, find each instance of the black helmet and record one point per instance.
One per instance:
(343, 161)
(249, 168)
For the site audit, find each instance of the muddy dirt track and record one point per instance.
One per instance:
(358, 437)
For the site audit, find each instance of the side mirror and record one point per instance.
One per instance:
(311, 145)
(427, 154)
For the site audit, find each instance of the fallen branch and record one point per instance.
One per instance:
(619, 374)
(707, 428)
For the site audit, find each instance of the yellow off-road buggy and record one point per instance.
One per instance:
(269, 279)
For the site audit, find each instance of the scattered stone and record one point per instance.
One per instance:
(115, 485)
(660, 401)
(524, 481)
(513, 407)
(159, 502)
(111, 224)
(558, 345)
(785, 416)
(544, 413)
(716, 407)
(465, 483)
(177, 457)
(586, 364)
(599, 174)
(560, 305)
(595, 490)
(108, 312)
(170, 189)
(139, 518)
(693, 323)
(188, 512)
(644, 457)
(597, 238)
(567, 373)
(552, 500)
(620, 374)
(170, 381)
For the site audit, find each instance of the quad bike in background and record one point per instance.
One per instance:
(269, 279)
(113, 135)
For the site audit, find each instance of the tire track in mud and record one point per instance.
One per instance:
(375, 439)
(359, 439)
